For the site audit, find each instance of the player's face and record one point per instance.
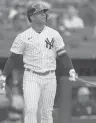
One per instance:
(40, 17)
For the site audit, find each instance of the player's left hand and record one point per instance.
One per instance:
(2, 85)
(73, 75)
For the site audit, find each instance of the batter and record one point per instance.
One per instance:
(40, 45)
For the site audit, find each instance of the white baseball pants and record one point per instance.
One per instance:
(39, 93)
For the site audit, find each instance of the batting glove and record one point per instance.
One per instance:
(2, 84)
(73, 75)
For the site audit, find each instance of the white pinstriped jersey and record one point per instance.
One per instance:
(38, 49)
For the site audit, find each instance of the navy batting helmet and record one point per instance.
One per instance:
(34, 9)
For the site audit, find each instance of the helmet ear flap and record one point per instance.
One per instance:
(46, 16)
(29, 19)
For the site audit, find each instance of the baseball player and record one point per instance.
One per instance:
(40, 45)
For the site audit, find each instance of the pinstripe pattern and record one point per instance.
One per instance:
(39, 90)
(41, 57)
(33, 47)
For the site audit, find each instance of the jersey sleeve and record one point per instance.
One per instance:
(18, 45)
(59, 44)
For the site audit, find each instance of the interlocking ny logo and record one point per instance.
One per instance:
(49, 44)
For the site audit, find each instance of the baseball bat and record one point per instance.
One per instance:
(88, 83)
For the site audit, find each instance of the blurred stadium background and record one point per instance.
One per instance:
(76, 22)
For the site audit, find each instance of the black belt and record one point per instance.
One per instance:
(40, 73)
